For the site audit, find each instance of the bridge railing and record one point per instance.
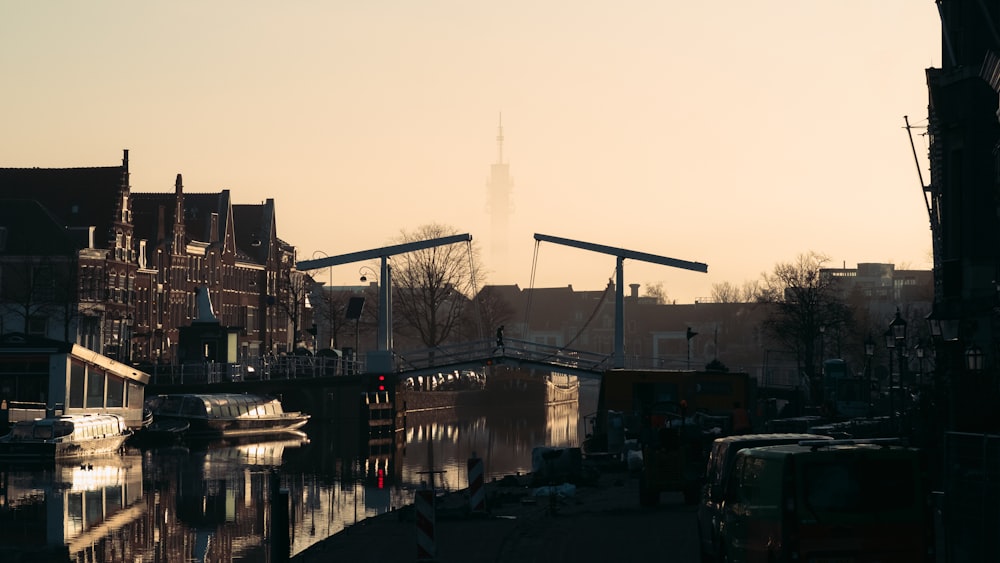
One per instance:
(520, 350)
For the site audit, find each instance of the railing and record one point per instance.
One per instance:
(512, 349)
(446, 358)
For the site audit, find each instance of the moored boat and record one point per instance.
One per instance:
(65, 437)
(214, 415)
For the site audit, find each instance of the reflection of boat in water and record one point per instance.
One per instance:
(67, 507)
(247, 451)
(225, 414)
(68, 436)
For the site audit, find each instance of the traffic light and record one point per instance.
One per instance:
(380, 383)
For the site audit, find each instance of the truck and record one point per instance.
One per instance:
(672, 415)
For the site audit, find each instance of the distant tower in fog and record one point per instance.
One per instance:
(499, 206)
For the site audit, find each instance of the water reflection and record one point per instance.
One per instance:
(211, 501)
(56, 510)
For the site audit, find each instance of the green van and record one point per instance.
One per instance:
(826, 501)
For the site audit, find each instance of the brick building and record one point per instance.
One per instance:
(84, 259)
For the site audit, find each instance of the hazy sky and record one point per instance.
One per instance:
(735, 133)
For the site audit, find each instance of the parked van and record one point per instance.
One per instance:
(721, 457)
(826, 500)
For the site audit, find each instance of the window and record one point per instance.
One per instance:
(116, 391)
(77, 377)
(95, 389)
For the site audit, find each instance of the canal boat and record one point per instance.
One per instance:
(69, 436)
(216, 415)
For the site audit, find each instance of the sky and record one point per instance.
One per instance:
(730, 133)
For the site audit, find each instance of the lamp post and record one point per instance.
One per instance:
(328, 297)
(869, 352)
(690, 334)
(890, 344)
(898, 328)
(365, 272)
(919, 349)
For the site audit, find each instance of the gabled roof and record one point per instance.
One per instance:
(77, 197)
(198, 210)
(253, 225)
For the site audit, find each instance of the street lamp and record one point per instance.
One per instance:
(890, 344)
(898, 329)
(366, 272)
(690, 334)
(328, 295)
(919, 349)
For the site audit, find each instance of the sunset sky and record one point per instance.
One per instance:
(735, 133)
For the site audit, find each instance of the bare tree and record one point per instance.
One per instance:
(329, 313)
(728, 292)
(656, 291)
(433, 286)
(491, 310)
(725, 292)
(804, 305)
(293, 287)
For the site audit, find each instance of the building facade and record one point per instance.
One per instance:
(84, 259)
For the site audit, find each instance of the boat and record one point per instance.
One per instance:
(66, 436)
(217, 415)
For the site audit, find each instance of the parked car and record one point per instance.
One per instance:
(720, 462)
(826, 500)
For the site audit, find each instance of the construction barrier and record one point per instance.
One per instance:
(424, 504)
(477, 496)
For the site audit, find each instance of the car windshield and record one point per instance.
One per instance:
(860, 485)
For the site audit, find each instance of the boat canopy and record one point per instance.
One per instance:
(78, 426)
(221, 405)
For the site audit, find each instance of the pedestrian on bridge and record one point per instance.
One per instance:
(500, 338)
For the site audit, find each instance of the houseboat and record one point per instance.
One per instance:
(216, 415)
(70, 436)
(47, 378)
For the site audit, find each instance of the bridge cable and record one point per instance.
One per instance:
(531, 288)
(475, 289)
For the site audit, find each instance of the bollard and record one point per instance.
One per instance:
(477, 496)
(424, 504)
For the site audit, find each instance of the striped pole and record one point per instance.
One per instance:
(424, 503)
(477, 496)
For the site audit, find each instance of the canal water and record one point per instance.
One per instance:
(212, 501)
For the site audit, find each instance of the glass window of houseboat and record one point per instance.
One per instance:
(42, 431)
(170, 405)
(135, 395)
(217, 411)
(95, 388)
(22, 430)
(116, 391)
(77, 377)
(62, 428)
(193, 406)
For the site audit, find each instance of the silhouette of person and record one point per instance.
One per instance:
(500, 337)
